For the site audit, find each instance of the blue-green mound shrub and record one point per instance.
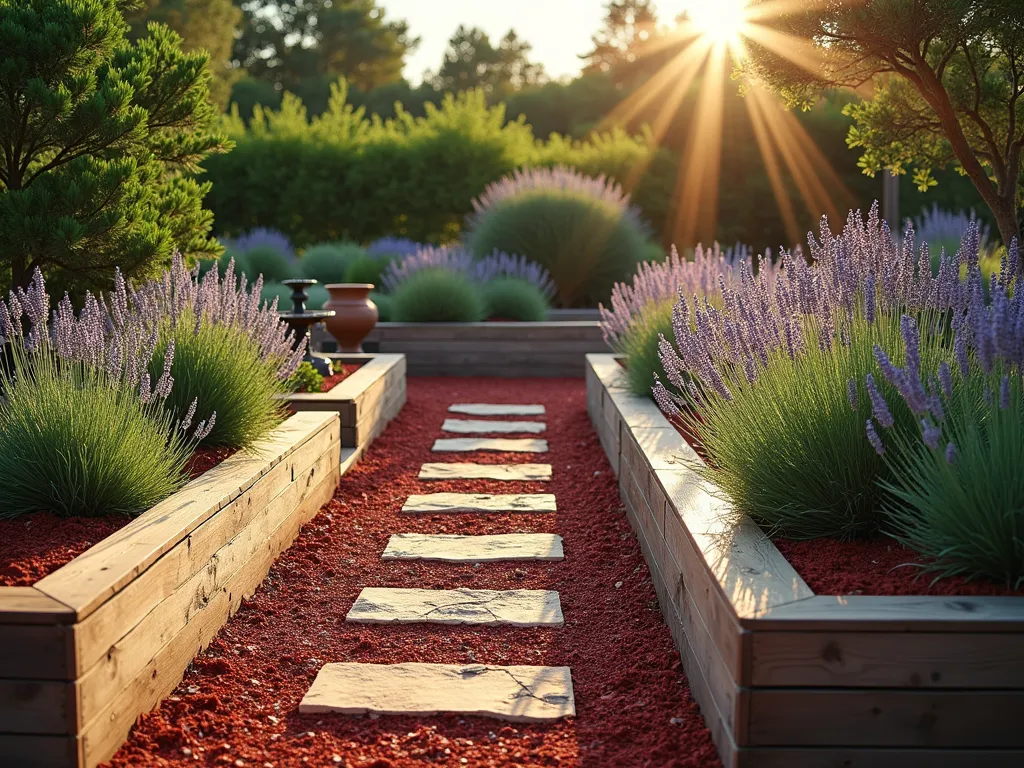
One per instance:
(437, 296)
(510, 299)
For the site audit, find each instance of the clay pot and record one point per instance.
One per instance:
(354, 314)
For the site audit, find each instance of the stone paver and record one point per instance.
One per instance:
(470, 471)
(516, 693)
(480, 502)
(501, 444)
(482, 427)
(474, 549)
(515, 607)
(492, 409)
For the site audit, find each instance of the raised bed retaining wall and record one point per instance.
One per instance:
(548, 349)
(786, 678)
(103, 639)
(365, 401)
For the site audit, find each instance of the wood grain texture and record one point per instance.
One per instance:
(27, 605)
(888, 660)
(102, 736)
(24, 750)
(95, 576)
(37, 651)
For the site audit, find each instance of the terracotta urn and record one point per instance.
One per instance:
(355, 314)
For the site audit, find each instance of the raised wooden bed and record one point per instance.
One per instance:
(786, 678)
(547, 349)
(90, 647)
(365, 401)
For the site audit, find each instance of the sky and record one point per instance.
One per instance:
(559, 30)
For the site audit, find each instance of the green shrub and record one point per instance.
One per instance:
(305, 379)
(220, 366)
(328, 262)
(511, 299)
(268, 261)
(384, 309)
(580, 229)
(282, 293)
(316, 297)
(366, 269)
(100, 450)
(639, 347)
(437, 296)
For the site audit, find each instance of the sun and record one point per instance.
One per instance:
(719, 21)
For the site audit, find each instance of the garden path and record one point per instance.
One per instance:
(238, 704)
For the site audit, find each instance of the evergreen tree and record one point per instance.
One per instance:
(472, 61)
(204, 25)
(629, 26)
(98, 138)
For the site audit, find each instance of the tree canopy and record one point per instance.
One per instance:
(98, 136)
(943, 80)
(472, 61)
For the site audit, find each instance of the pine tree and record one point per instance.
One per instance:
(98, 140)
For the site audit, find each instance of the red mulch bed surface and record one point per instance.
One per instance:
(33, 546)
(873, 567)
(879, 566)
(238, 703)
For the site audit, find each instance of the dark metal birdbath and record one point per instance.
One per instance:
(300, 320)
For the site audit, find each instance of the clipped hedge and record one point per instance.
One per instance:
(340, 176)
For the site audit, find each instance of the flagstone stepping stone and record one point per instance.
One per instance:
(490, 409)
(480, 502)
(516, 693)
(479, 426)
(470, 471)
(501, 444)
(474, 549)
(515, 607)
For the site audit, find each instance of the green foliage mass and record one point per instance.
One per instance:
(965, 517)
(98, 138)
(587, 244)
(366, 269)
(329, 262)
(220, 367)
(268, 261)
(305, 379)
(509, 298)
(437, 296)
(103, 451)
(639, 347)
(342, 176)
(791, 451)
(384, 309)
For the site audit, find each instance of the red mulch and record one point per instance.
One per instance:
(238, 702)
(33, 546)
(873, 567)
(878, 566)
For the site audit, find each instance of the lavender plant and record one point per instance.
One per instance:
(583, 230)
(956, 491)
(393, 247)
(479, 270)
(641, 311)
(233, 353)
(766, 378)
(262, 237)
(82, 407)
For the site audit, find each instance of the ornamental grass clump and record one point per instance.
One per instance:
(509, 298)
(641, 310)
(437, 296)
(773, 381)
(956, 489)
(583, 230)
(83, 427)
(232, 351)
(494, 266)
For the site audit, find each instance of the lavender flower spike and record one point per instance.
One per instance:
(874, 439)
(851, 394)
(950, 453)
(879, 408)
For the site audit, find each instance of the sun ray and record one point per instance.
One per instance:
(771, 163)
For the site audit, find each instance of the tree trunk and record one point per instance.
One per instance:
(1006, 220)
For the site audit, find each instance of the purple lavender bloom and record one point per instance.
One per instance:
(931, 434)
(945, 379)
(456, 259)
(879, 408)
(939, 228)
(1004, 393)
(262, 237)
(393, 246)
(851, 394)
(874, 439)
(950, 453)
